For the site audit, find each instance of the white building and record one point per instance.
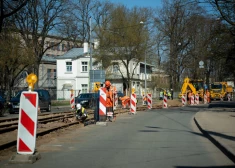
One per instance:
(72, 72)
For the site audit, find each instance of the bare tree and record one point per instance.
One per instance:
(9, 8)
(14, 58)
(36, 21)
(175, 22)
(123, 38)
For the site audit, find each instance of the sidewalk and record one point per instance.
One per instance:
(219, 126)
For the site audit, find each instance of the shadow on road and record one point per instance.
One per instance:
(159, 129)
(222, 135)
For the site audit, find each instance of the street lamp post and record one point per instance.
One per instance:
(145, 73)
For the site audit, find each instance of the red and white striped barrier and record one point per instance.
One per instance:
(205, 99)
(196, 99)
(149, 100)
(115, 104)
(183, 98)
(102, 103)
(27, 125)
(72, 100)
(192, 100)
(133, 104)
(165, 101)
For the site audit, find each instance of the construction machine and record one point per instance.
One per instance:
(195, 85)
(220, 90)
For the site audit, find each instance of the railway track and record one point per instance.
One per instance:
(9, 126)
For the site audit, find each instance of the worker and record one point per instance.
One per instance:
(81, 113)
(172, 92)
(189, 96)
(208, 96)
(144, 99)
(161, 95)
(168, 95)
(125, 101)
(109, 100)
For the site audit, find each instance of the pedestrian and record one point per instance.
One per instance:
(109, 101)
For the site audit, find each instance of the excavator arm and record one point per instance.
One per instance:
(186, 85)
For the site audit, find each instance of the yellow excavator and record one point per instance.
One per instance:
(196, 86)
(219, 90)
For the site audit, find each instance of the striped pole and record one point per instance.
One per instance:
(149, 100)
(205, 99)
(72, 99)
(27, 125)
(192, 100)
(197, 99)
(133, 104)
(165, 101)
(102, 104)
(183, 100)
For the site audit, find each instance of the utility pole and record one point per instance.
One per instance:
(90, 85)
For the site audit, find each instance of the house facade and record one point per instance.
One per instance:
(72, 72)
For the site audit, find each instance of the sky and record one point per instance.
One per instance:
(139, 3)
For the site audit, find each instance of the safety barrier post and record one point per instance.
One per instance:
(102, 104)
(165, 101)
(197, 99)
(72, 99)
(144, 99)
(115, 101)
(149, 100)
(183, 100)
(192, 100)
(27, 125)
(133, 104)
(205, 99)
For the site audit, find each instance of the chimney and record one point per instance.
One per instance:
(96, 43)
(85, 45)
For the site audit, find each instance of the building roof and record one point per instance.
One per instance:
(72, 54)
(48, 59)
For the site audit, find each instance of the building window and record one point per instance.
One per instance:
(84, 66)
(63, 47)
(84, 88)
(69, 66)
(115, 68)
(58, 47)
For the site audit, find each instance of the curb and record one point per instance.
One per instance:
(223, 149)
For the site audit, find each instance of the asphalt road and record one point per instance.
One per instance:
(161, 138)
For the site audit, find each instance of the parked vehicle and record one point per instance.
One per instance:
(220, 90)
(44, 101)
(87, 100)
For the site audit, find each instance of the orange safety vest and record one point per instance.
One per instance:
(109, 98)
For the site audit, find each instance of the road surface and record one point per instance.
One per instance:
(157, 138)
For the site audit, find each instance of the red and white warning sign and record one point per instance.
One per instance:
(102, 102)
(27, 126)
